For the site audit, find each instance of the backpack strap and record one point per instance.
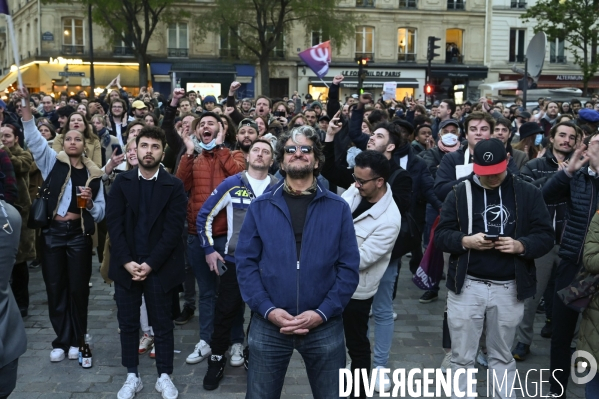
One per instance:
(469, 204)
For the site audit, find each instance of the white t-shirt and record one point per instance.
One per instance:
(119, 134)
(258, 186)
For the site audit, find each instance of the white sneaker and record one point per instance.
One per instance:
(57, 355)
(165, 385)
(74, 353)
(132, 386)
(394, 316)
(236, 353)
(446, 363)
(145, 343)
(481, 358)
(200, 352)
(386, 384)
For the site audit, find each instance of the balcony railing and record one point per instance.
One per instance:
(229, 53)
(370, 56)
(455, 59)
(120, 51)
(365, 3)
(178, 52)
(408, 4)
(73, 50)
(558, 59)
(406, 57)
(517, 58)
(518, 4)
(455, 5)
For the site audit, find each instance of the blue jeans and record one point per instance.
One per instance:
(207, 283)
(322, 349)
(382, 313)
(591, 389)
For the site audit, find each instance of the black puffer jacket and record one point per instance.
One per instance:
(580, 193)
(537, 172)
(433, 159)
(533, 230)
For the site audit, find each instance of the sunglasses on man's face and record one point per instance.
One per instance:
(292, 149)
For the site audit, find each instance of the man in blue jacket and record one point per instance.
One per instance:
(297, 266)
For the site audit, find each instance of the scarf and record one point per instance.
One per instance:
(402, 151)
(311, 190)
(104, 137)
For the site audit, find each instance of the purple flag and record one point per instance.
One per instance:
(317, 58)
(4, 7)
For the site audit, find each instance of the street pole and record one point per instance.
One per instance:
(92, 77)
(360, 77)
(525, 88)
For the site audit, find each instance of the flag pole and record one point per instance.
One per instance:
(323, 82)
(15, 52)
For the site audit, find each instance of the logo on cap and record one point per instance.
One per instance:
(488, 157)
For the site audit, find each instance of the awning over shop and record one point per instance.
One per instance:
(557, 81)
(462, 71)
(368, 83)
(203, 67)
(8, 80)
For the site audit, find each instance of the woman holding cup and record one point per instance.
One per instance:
(67, 242)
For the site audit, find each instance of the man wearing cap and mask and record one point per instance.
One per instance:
(494, 225)
(520, 118)
(457, 166)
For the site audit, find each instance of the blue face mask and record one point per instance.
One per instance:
(539, 139)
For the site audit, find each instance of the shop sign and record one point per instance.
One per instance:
(372, 74)
(65, 61)
(568, 77)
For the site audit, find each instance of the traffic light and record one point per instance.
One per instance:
(430, 54)
(428, 89)
(362, 61)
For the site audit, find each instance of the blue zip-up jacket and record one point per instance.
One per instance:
(235, 195)
(268, 272)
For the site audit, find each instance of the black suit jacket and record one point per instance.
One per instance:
(167, 218)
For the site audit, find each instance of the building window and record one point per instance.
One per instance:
(594, 46)
(122, 48)
(518, 4)
(407, 4)
(364, 3)
(556, 51)
(73, 40)
(279, 50)
(406, 44)
(455, 4)
(517, 45)
(229, 45)
(454, 42)
(319, 37)
(365, 42)
(177, 40)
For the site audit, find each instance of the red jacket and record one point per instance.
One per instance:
(201, 175)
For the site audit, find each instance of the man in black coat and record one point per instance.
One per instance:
(494, 225)
(145, 217)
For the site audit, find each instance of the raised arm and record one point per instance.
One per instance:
(235, 115)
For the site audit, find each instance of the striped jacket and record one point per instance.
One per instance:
(235, 195)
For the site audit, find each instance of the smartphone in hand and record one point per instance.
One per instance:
(118, 149)
(222, 268)
(492, 237)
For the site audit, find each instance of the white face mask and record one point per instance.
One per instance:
(449, 139)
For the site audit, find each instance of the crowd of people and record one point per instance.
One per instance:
(302, 210)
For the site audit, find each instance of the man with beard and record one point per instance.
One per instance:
(297, 264)
(145, 220)
(563, 139)
(205, 164)
(549, 116)
(139, 109)
(233, 197)
(263, 105)
(247, 133)
(246, 105)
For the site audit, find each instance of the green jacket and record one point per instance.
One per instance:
(589, 327)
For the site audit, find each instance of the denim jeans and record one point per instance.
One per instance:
(322, 349)
(382, 314)
(495, 304)
(207, 283)
(591, 389)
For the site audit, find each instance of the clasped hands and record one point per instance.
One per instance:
(137, 271)
(300, 324)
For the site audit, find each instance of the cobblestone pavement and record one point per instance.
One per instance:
(417, 344)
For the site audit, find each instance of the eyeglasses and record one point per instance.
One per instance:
(361, 182)
(292, 149)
